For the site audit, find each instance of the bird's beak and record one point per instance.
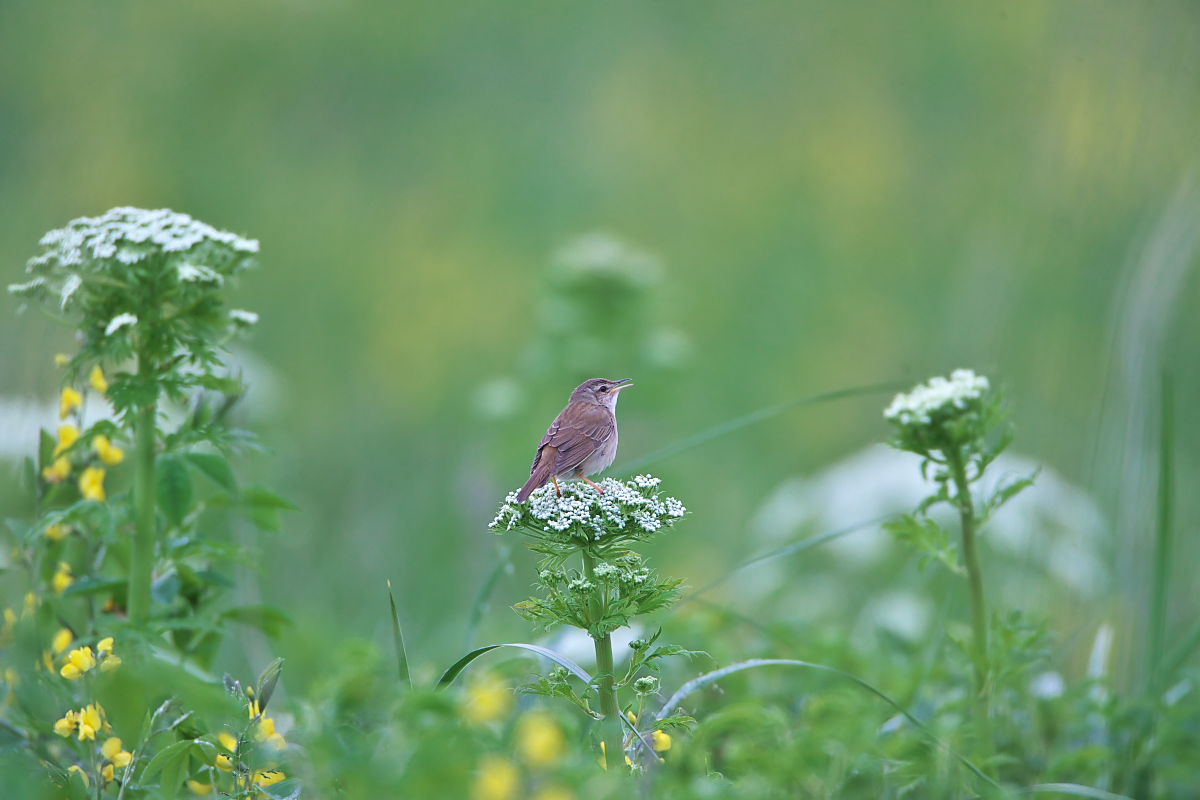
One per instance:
(624, 383)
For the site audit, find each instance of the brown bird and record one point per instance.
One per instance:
(582, 440)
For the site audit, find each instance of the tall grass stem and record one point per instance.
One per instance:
(144, 535)
(610, 728)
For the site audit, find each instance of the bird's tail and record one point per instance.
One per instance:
(541, 473)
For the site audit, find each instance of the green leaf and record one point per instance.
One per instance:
(456, 669)
(267, 679)
(258, 497)
(398, 641)
(165, 757)
(89, 585)
(216, 467)
(46, 445)
(267, 619)
(174, 489)
(675, 721)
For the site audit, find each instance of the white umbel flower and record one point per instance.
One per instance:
(925, 400)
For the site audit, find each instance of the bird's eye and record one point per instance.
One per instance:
(604, 388)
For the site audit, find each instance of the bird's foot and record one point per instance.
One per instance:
(557, 488)
(593, 484)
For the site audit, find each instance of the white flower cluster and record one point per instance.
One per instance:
(131, 234)
(938, 395)
(631, 507)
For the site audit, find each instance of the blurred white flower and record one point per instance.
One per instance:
(603, 254)
(939, 394)
(1053, 522)
(902, 613)
(1047, 685)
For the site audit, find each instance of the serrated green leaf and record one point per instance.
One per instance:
(175, 496)
(216, 467)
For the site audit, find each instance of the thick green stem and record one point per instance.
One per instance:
(979, 638)
(610, 726)
(145, 533)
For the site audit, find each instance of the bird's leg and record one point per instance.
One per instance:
(557, 488)
(588, 481)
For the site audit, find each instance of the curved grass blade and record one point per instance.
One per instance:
(570, 666)
(746, 420)
(1074, 789)
(710, 677)
(398, 640)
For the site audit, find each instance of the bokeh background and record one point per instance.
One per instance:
(466, 209)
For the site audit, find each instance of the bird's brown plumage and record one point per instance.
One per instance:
(572, 444)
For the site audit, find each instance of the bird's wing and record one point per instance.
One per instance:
(574, 436)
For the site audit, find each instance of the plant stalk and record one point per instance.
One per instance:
(144, 495)
(610, 726)
(979, 627)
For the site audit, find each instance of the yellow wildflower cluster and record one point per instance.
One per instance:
(487, 699)
(109, 453)
(57, 532)
(497, 779)
(97, 380)
(266, 733)
(116, 756)
(91, 484)
(86, 722)
(69, 401)
(82, 659)
(68, 435)
(63, 578)
(540, 741)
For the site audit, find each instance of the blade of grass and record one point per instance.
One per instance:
(1074, 789)
(762, 414)
(570, 666)
(1162, 538)
(398, 640)
(704, 680)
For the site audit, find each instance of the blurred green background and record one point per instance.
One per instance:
(810, 196)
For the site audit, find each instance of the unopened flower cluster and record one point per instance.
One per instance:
(628, 510)
(938, 399)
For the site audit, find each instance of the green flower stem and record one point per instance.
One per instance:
(979, 638)
(609, 707)
(144, 536)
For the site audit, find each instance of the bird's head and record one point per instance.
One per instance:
(600, 391)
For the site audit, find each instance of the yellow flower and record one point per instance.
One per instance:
(62, 640)
(109, 663)
(553, 793)
(67, 724)
(109, 453)
(268, 777)
(603, 760)
(58, 471)
(224, 762)
(91, 720)
(107, 773)
(78, 770)
(79, 661)
(497, 780)
(62, 578)
(540, 741)
(199, 788)
(57, 532)
(61, 359)
(266, 733)
(112, 750)
(486, 700)
(253, 709)
(662, 741)
(31, 604)
(67, 435)
(105, 645)
(91, 484)
(96, 379)
(69, 401)
(228, 741)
